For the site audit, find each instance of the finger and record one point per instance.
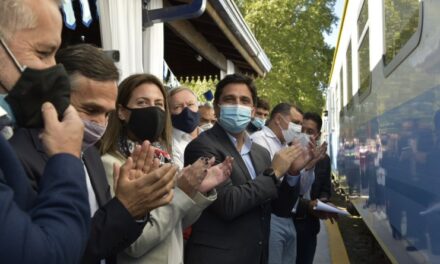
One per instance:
(142, 155)
(164, 175)
(198, 165)
(149, 161)
(135, 154)
(69, 114)
(50, 115)
(124, 172)
(163, 200)
(211, 162)
(116, 168)
(156, 164)
(150, 179)
(164, 189)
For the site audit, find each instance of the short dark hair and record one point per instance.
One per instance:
(237, 79)
(315, 117)
(298, 109)
(262, 103)
(281, 108)
(89, 61)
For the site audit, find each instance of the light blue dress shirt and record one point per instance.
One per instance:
(245, 153)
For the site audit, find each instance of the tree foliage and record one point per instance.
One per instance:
(291, 34)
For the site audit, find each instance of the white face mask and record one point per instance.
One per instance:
(292, 132)
(206, 126)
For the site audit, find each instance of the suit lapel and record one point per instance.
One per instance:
(259, 164)
(228, 146)
(93, 164)
(34, 133)
(97, 176)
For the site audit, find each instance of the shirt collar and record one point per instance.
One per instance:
(179, 134)
(269, 133)
(2, 111)
(247, 142)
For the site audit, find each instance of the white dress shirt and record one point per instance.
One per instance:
(267, 138)
(93, 202)
(180, 141)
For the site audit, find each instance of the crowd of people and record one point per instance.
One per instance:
(92, 171)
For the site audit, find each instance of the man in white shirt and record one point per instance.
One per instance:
(284, 126)
(185, 117)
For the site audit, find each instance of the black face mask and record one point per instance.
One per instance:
(33, 89)
(186, 121)
(146, 123)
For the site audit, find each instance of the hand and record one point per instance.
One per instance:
(217, 175)
(142, 192)
(62, 137)
(300, 161)
(192, 176)
(318, 154)
(144, 158)
(283, 158)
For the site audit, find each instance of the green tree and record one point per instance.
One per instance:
(291, 34)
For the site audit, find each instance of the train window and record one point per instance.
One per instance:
(363, 18)
(401, 22)
(349, 74)
(364, 65)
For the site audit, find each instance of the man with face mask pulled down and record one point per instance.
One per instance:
(50, 226)
(116, 222)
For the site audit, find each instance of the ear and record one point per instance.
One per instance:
(123, 113)
(277, 119)
(216, 109)
(254, 110)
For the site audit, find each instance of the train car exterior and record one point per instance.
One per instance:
(383, 124)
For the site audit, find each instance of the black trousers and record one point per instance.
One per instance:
(307, 230)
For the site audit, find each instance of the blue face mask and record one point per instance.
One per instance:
(258, 122)
(234, 118)
(6, 107)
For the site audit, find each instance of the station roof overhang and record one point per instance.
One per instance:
(202, 46)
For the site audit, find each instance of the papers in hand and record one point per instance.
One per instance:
(320, 206)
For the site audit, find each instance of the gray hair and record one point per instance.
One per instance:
(179, 89)
(17, 15)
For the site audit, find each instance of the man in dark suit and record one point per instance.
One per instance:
(51, 226)
(117, 222)
(307, 227)
(235, 228)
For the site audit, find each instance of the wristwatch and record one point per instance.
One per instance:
(269, 172)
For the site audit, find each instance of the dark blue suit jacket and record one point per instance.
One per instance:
(112, 228)
(51, 226)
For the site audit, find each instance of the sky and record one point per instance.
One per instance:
(333, 37)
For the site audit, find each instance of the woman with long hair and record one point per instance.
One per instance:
(142, 114)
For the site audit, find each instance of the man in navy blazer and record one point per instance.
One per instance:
(51, 226)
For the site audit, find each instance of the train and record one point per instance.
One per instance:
(383, 122)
